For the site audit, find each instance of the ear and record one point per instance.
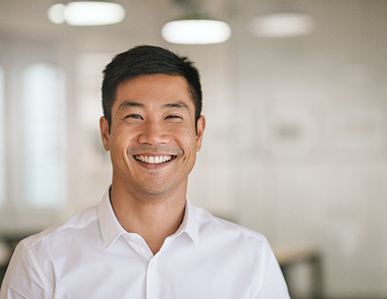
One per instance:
(200, 126)
(105, 134)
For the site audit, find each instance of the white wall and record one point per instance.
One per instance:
(312, 127)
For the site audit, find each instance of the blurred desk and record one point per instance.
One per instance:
(312, 258)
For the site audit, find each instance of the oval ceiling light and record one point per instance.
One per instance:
(87, 13)
(56, 13)
(196, 31)
(282, 25)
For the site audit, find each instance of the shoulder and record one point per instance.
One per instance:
(57, 234)
(227, 230)
(30, 271)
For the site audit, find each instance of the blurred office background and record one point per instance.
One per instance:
(296, 140)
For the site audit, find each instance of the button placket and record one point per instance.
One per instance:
(152, 280)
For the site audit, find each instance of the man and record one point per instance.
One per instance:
(145, 240)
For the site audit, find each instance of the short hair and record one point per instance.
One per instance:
(148, 60)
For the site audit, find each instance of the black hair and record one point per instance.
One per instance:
(148, 60)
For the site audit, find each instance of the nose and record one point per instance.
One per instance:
(153, 133)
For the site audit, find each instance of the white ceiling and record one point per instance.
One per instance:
(27, 17)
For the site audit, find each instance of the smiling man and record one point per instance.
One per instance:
(144, 239)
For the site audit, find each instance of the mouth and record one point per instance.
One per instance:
(154, 160)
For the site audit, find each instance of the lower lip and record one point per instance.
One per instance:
(153, 165)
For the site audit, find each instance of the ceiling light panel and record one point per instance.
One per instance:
(87, 13)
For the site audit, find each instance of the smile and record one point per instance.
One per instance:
(154, 159)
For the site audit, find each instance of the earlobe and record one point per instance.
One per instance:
(200, 126)
(105, 134)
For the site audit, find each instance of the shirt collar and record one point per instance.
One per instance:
(190, 224)
(111, 229)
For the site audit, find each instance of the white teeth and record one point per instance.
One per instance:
(153, 159)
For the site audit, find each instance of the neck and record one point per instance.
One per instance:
(154, 218)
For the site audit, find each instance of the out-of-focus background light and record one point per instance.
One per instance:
(196, 31)
(87, 13)
(56, 13)
(282, 25)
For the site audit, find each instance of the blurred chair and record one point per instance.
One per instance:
(289, 259)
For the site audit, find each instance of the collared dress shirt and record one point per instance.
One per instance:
(92, 256)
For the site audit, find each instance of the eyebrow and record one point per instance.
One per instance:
(127, 103)
(130, 103)
(178, 104)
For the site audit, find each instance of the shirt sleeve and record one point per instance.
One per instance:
(272, 284)
(23, 279)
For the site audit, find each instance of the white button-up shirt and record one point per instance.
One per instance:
(92, 256)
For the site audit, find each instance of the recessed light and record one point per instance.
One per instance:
(282, 25)
(196, 31)
(87, 13)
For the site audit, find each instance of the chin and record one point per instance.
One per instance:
(154, 191)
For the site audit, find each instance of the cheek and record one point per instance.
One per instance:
(187, 138)
(120, 142)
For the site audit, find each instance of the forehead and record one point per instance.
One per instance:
(154, 90)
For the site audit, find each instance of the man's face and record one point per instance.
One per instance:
(153, 139)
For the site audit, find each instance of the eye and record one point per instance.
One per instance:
(174, 117)
(133, 116)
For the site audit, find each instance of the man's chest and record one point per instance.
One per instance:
(178, 273)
